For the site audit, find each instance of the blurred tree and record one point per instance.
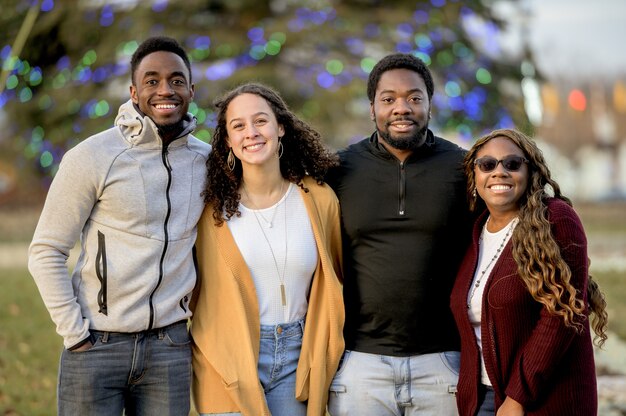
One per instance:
(73, 72)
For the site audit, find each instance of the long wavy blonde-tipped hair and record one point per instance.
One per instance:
(537, 255)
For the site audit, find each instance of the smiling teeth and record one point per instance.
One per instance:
(254, 146)
(165, 106)
(500, 187)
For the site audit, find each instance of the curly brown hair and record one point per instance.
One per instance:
(304, 153)
(535, 251)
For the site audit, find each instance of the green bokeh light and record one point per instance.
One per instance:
(272, 47)
(334, 66)
(102, 108)
(452, 89)
(279, 37)
(201, 116)
(483, 76)
(199, 54)
(424, 57)
(129, 48)
(203, 135)
(460, 50)
(12, 81)
(10, 63)
(26, 94)
(257, 52)
(35, 78)
(89, 58)
(46, 159)
(59, 80)
(37, 135)
(422, 41)
(445, 58)
(310, 109)
(367, 64)
(24, 68)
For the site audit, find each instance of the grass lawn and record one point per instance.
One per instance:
(30, 348)
(614, 288)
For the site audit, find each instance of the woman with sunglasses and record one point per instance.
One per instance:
(523, 296)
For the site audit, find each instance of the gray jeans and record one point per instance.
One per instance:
(382, 385)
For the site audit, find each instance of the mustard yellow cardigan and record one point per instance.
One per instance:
(226, 327)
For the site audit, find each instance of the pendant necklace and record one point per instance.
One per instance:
(269, 223)
(281, 277)
(493, 259)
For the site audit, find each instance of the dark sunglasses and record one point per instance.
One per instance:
(510, 163)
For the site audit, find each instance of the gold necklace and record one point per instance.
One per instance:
(281, 277)
(494, 258)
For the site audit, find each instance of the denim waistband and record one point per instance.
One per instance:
(283, 330)
(155, 331)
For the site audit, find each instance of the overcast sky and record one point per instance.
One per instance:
(576, 39)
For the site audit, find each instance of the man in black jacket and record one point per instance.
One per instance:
(405, 223)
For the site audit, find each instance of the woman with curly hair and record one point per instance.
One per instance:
(523, 295)
(268, 307)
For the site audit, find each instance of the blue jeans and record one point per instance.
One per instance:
(143, 373)
(382, 385)
(488, 405)
(278, 360)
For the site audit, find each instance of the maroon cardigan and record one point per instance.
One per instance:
(530, 355)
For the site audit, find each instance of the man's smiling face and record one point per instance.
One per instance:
(401, 109)
(162, 88)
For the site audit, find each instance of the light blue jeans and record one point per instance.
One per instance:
(144, 373)
(382, 385)
(278, 360)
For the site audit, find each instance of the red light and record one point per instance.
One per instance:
(577, 100)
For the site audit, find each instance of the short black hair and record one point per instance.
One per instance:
(156, 44)
(399, 61)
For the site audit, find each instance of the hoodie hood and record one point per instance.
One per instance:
(139, 129)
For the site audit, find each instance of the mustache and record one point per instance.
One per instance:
(412, 120)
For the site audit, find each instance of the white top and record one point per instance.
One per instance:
(293, 245)
(488, 249)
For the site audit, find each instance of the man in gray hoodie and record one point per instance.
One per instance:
(132, 196)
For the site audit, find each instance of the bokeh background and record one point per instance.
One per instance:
(555, 69)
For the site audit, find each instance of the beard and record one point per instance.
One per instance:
(171, 130)
(405, 142)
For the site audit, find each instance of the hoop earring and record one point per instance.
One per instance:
(281, 149)
(230, 160)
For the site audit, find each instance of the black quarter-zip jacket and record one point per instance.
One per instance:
(405, 228)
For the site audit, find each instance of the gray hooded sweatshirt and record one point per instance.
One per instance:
(134, 204)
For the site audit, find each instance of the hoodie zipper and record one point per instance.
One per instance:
(168, 167)
(402, 190)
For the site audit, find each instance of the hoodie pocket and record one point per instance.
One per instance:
(101, 272)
